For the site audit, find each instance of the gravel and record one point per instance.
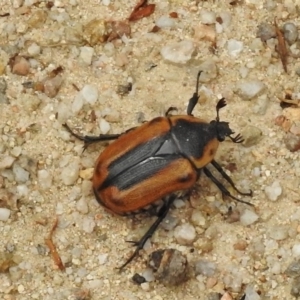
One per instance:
(178, 53)
(56, 66)
(185, 234)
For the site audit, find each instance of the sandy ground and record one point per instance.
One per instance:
(91, 241)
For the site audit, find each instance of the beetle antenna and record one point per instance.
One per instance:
(194, 100)
(221, 103)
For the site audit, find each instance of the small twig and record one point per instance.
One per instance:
(282, 49)
(49, 242)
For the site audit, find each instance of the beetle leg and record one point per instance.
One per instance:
(89, 139)
(140, 244)
(228, 179)
(194, 100)
(221, 187)
(169, 110)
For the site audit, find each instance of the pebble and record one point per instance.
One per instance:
(198, 219)
(121, 59)
(16, 151)
(86, 54)
(275, 268)
(207, 17)
(209, 70)
(185, 234)
(251, 294)
(145, 286)
(104, 126)
(148, 275)
(226, 296)
(90, 93)
(179, 203)
(179, 53)
(261, 105)
(37, 18)
(82, 206)
(211, 282)
(88, 224)
(86, 174)
(6, 161)
(77, 103)
(205, 267)
(86, 187)
(21, 289)
(170, 266)
(290, 32)
(165, 22)
(248, 217)
(204, 32)
(292, 142)
(296, 250)
(295, 289)
(279, 232)
(95, 32)
(247, 90)
(226, 19)
(4, 214)
(234, 47)
(265, 32)
(293, 269)
(21, 66)
(3, 85)
(34, 49)
(4, 59)
(45, 179)
(119, 29)
(213, 296)
(21, 175)
(273, 191)
(169, 222)
(52, 85)
(124, 89)
(103, 258)
(70, 173)
(111, 116)
(251, 135)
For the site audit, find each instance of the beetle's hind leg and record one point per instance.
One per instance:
(163, 211)
(221, 187)
(228, 179)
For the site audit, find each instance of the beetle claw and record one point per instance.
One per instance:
(237, 139)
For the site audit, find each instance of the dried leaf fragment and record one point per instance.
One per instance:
(141, 10)
(155, 29)
(49, 242)
(173, 14)
(282, 49)
(117, 29)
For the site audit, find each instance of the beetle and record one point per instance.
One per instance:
(157, 161)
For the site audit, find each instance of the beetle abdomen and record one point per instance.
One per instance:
(174, 175)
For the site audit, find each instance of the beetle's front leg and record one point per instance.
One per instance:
(221, 187)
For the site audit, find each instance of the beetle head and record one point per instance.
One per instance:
(222, 128)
